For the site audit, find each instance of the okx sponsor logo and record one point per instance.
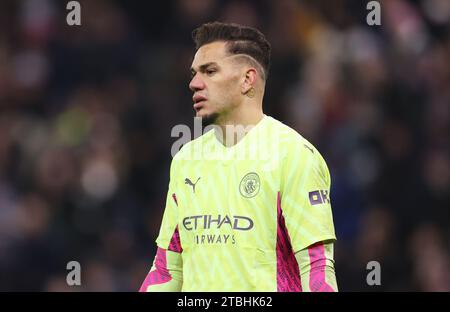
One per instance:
(319, 197)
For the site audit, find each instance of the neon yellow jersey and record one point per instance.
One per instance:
(241, 212)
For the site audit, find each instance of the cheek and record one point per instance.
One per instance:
(229, 91)
(224, 93)
(224, 97)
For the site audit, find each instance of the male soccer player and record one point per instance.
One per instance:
(246, 210)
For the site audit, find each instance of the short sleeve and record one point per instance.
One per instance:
(305, 197)
(170, 217)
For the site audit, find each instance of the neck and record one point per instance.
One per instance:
(234, 126)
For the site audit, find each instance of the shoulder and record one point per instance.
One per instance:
(296, 150)
(289, 140)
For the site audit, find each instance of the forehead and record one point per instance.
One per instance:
(211, 52)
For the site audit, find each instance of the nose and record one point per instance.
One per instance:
(196, 83)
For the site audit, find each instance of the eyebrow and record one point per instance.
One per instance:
(203, 67)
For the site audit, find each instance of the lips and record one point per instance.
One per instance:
(198, 100)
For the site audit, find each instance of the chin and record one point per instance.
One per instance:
(202, 113)
(207, 118)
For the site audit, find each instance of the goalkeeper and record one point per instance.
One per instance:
(246, 210)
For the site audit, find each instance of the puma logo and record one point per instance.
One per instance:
(189, 182)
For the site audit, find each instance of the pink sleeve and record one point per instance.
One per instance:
(162, 270)
(316, 267)
(159, 273)
(317, 274)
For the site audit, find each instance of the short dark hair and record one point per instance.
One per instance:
(240, 40)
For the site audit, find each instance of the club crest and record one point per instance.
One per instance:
(250, 185)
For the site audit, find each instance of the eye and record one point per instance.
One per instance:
(210, 71)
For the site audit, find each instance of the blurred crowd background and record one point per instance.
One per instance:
(86, 114)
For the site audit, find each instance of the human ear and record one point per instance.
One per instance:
(249, 80)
